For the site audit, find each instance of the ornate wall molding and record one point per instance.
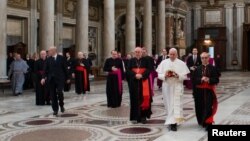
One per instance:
(69, 10)
(20, 4)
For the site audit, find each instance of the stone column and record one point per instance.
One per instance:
(147, 26)
(3, 31)
(82, 26)
(130, 27)
(47, 24)
(59, 26)
(161, 26)
(188, 27)
(197, 20)
(240, 20)
(33, 28)
(229, 26)
(109, 27)
(169, 30)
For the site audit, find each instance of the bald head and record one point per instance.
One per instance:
(43, 54)
(173, 54)
(80, 55)
(52, 51)
(205, 58)
(138, 52)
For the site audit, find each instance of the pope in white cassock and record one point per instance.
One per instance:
(172, 72)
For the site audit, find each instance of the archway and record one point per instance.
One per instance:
(120, 33)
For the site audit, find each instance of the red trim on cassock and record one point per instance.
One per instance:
(205, 85)
(84, 70)
(145, 89)
(41, 72)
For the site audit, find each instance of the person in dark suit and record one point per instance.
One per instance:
(161, 58)
(70, 65)
(56, 73)
(193, 62)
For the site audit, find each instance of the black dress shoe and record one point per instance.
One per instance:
(55, 113)
(62, 109)
(143, 121)
(207, 126)
(174, 127)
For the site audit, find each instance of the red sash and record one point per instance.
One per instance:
(145, 89)
(83, 69)
(205, 85)
(41, 72)
(118, 72)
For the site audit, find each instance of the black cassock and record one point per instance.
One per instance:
(114, 84)
(28, 76)
(81, 69)
(204, 94)
(70, 65)
(42, 95)
(138, 89)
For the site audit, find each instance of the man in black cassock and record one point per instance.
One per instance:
(205, 79)
(42, 95)
(140, 89)
(81, 74)
(114, 67)
(70, 63)
(152, 67)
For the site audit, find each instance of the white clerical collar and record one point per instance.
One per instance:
(55, 56)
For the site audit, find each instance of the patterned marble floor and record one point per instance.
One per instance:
(88, 118)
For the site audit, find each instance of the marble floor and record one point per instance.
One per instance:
(88, 118)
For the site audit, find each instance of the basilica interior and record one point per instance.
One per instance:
(96, 27)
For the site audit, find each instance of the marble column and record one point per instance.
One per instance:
(229, 26)
(109, 27)
(33, 28)
(161, 26)
(59, 26)
(188, 28)
(147, 26)
(240, 20)
(169, 30)
(3, 31)
(82, 26)
(47, 24)
(197, 20)
(130, 27)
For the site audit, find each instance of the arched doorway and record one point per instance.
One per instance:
(120, 33)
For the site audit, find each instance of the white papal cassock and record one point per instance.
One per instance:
(172, 89)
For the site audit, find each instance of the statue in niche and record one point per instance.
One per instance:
(171, 35)
(180, 32)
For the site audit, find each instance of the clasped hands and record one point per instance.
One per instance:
(193, 68)
(169, 74)
(205, 79)
(114, 68)
(138, 76)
